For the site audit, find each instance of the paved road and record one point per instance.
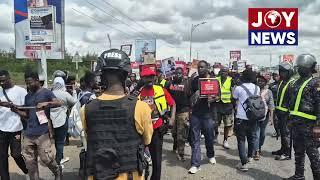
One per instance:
(265, 169)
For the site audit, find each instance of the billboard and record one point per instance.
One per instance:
(126, 48)
(235, 55)
(145, 51)
(38, 23)
(42, 24)
(288, 58)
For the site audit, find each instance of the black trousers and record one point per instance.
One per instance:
(304, 143)
(284, 132)
(155, 148)
(12, 139)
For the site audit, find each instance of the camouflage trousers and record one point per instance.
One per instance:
(41, 146)
(180, 131)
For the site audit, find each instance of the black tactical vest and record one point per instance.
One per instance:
(112, 137)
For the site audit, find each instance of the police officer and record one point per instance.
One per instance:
(274, 88)
(225, 106)
(117, 126)
(305, 117)
(282, 110)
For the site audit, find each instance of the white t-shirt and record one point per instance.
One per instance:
(241, 95)
(10, 121)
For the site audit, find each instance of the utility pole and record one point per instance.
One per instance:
(193, 27)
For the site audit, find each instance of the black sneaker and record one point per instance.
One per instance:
(277, 153)
(181, 158)
(295, 177)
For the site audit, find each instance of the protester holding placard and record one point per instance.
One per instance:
(201, 118)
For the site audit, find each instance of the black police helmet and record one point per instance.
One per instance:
(113, 59)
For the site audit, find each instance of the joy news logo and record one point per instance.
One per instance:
(273, 26)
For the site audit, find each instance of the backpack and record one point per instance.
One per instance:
(254, 106)
(75, 127)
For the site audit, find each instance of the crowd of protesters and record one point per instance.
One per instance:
(122, 115)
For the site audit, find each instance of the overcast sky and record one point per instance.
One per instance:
(170, 22)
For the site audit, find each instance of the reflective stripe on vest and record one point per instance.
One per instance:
(296, 111)
(163, 82)
(280, 101)
(225, 89)
(160, 99)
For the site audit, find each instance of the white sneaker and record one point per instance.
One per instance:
(213, 160)
(250, 160)
(241, 167)
(64, 160)
(194, 170)
(226, 144)
(27, 176)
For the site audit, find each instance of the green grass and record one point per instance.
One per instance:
(18, 67)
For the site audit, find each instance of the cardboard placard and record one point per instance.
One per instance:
(208, 87)
(193, 68)
(42, 117)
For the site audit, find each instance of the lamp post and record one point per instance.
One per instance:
(193, 27)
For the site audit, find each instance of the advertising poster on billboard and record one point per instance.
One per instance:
(145, 51)
(42, 24)
(38, 23)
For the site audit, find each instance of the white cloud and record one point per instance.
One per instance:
(170, 21)
(6, 18)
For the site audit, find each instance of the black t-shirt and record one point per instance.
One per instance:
(201, 108)
(180, 93)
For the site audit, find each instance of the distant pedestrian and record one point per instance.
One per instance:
(59, 117)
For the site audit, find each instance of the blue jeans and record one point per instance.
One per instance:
(206, 126)
(261, 134)
(245, 129)
(60, 135)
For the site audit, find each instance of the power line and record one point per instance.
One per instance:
(122, 13)
(127, 35)
(116, 18)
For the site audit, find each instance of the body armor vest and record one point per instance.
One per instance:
(302, 102)
(112, 137)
